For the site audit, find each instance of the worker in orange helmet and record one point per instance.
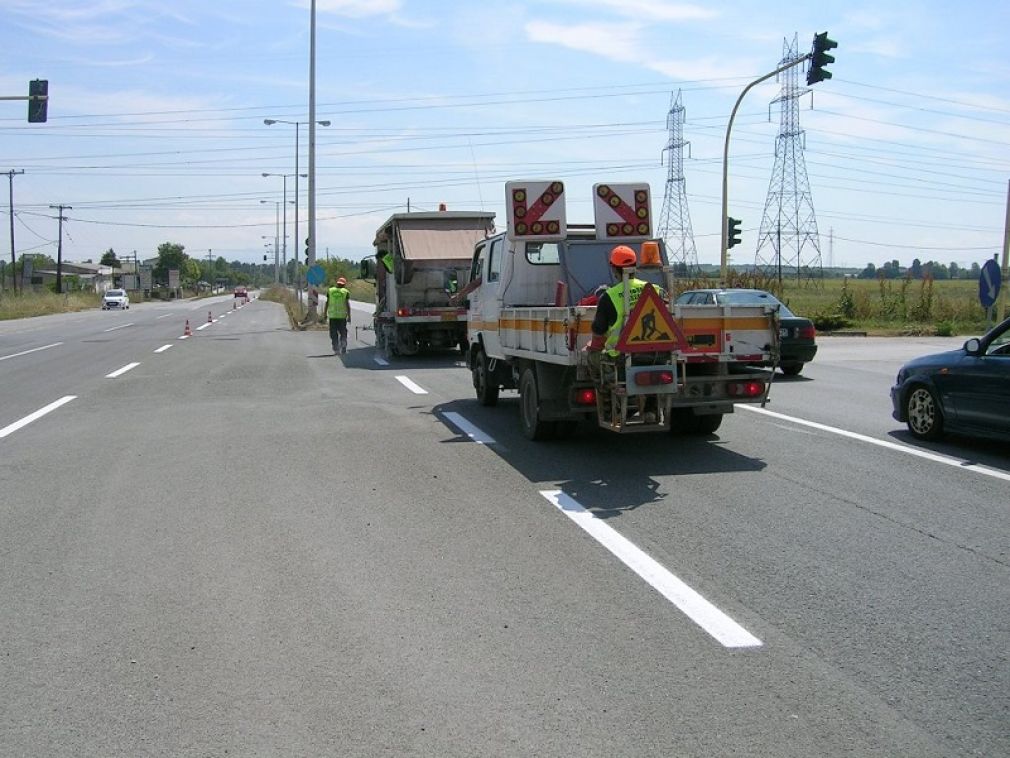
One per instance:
(338, 313)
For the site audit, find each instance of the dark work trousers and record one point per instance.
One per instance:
(338, 334)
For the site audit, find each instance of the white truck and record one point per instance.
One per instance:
(680, 369)
(430, 257)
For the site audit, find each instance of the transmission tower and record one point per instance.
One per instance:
(788, 242)
(675, 220)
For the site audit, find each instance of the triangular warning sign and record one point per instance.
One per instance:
(650, 327)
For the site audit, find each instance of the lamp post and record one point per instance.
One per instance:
(277, 235)
(297, 125)
(284, 237)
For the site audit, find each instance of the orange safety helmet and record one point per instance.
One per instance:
(623, 256)
(341, 281)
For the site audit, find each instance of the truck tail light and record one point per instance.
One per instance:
(651, 378)
(585, 396)
(403, 311)
(745, 389)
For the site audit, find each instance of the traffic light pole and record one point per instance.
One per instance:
(724, 258)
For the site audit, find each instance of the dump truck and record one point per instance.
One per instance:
(421, 260)
(678, 369)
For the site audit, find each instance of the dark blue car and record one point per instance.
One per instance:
(965, 391)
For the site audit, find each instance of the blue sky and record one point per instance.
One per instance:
(156, 130)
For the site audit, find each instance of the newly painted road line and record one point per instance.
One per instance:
(693, 605)
(33, 350)
(471, 431)
(163, 348)
(406, 382)
(121, 326)
(935, 457)
(11, 428)
(204, 326)
(121, 371)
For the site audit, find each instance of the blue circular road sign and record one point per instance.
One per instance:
(988, 283)
(315, 275)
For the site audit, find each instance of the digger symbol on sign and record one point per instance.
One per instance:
(649, 331)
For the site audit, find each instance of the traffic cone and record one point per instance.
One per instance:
(210, 319)
(234, 304)
(188, 332)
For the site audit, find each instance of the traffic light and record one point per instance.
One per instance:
(38, 88)
(264, 257)
(732, 232)
(307, 249)
(819, 58)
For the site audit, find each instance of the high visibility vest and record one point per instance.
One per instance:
(387, 261)
(336, 302)
(616, 295)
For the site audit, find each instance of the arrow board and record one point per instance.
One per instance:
(650, 327)
(622, 211)
(536, 211)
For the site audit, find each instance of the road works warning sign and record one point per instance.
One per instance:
(622, 211)
(536, 210)
(650, 327)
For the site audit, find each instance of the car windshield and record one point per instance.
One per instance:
(753, 298)
(114, 293)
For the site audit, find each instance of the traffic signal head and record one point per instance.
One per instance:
(307, 248)
(819, 58)
(37, 108)
(732, 232)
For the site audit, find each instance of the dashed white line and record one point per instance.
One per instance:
(33, 350)
(163, 348)
(121, 371)
(11, 428)
(471, 431)
(381, 361)
(406, 382)
(121, 326)
(164, 316)
(693, 605)
(204, 326)
(935, 457)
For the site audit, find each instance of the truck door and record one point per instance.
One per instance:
(490, 304)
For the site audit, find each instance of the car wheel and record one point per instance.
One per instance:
(487, 391)
(534, 427)
(922, 411)
(791, 369)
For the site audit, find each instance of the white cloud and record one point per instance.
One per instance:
(619, 42)
(356, 8)
(651, 10)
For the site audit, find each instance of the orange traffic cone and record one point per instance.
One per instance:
(210, 319)
(188, 332)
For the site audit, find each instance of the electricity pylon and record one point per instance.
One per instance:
(675, 220)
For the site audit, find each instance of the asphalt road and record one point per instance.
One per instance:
(243, 545)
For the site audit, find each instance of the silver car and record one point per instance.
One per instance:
(115, 300)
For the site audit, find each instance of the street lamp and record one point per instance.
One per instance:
(284, 247)
(297, 125)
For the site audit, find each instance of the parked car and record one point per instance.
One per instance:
(115, 300)
(798, 336)
(966, 391)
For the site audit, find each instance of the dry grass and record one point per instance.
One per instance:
(28, 304)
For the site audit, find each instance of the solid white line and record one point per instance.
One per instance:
(935, 457)
(694, 606)
(121, 371)
(121, 326)
(163, 348)
(471, 431)
(204, 326)
(381, 361)
(35, 416)
(411, 386)
(33, 350)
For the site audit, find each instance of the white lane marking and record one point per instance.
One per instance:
(121, 371)
(406, 382)
(693, 605)
(163, 348)
(203, 326)
(121, 326)
(471, 431)
(184, 336)
(381, 361)
(11, 428)
(33, 350)
(935, 457)
(164, 316)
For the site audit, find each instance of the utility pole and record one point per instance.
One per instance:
(13, 260)
(1006, 260)
(59, 249)
(210, 269)
(310, 253)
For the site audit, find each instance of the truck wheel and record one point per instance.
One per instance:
(686, 422)
(487, 391)
(791, 369)
(534, 427)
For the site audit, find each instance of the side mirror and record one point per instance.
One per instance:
(367, 268)
(973, 346)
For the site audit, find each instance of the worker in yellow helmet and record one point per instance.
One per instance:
(338, 313)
